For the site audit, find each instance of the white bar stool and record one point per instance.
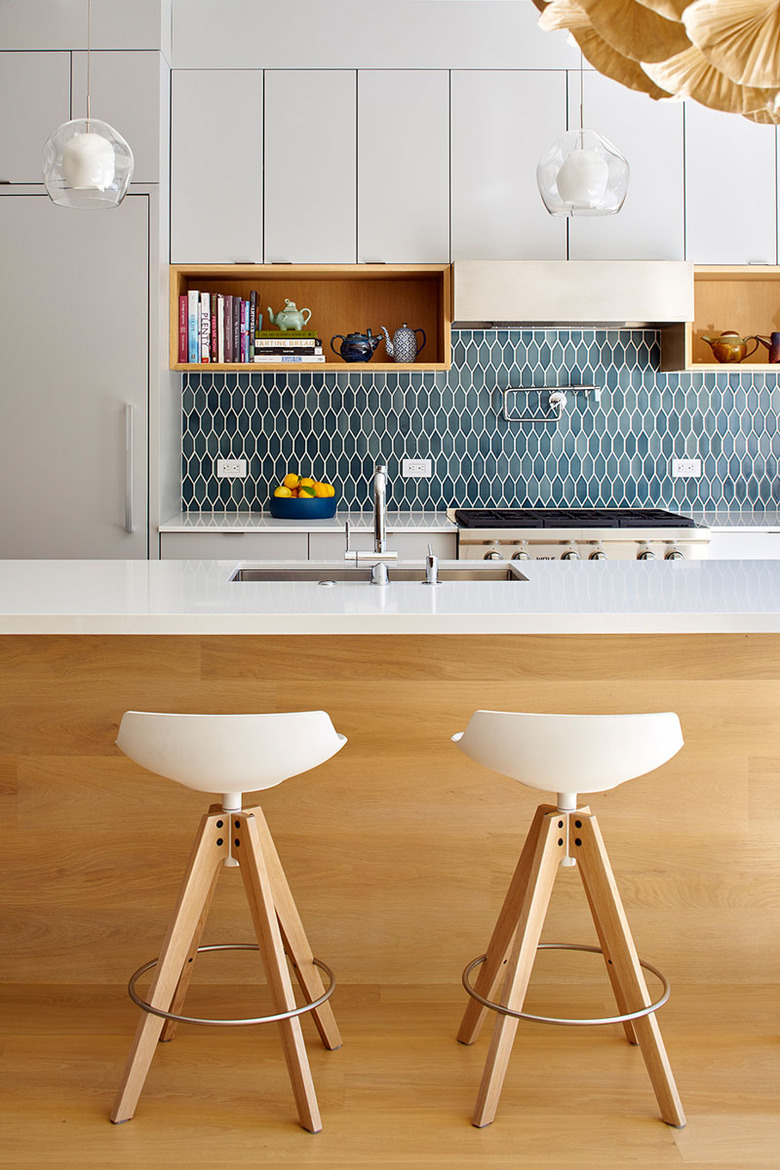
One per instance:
(567, 754)
(237, 753)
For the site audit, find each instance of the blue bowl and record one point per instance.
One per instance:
(318, 508)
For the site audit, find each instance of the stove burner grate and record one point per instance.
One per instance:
(570, 518)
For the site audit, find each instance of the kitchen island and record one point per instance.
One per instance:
(399, 848)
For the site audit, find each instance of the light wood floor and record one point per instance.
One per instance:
(400, 1091)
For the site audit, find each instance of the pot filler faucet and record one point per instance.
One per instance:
(380, 556)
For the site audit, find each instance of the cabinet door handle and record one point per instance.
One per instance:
(129, 485)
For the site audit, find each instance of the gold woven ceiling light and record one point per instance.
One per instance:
(671, 9)
(636, 31)
(690, 74)
(739, 37)
(610, 63)
(570, 15)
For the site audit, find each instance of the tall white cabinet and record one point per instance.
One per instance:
(74, 309)
(403, 205)
(310, 167)
(216, 166)
(650, 135)
(502, 122)
(730, 189)
(35, 100)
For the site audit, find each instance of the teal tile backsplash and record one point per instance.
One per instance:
(615, 452)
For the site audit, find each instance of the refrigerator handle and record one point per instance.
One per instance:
(129, 485)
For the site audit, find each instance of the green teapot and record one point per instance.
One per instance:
(290, 317)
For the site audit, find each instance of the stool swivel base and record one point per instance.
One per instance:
(227, 837)
(553, 838)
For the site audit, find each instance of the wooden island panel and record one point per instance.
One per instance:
(399, 849)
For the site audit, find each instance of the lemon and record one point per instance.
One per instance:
(305, 492)
(306, 482)
(282, 491)
(331, 491)
(320, 490)
(291, 480)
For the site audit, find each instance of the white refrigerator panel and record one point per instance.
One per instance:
(74, 308)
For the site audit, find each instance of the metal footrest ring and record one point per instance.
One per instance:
(298, 1011)
(505, 1011)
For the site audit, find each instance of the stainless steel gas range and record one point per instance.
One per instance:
(572, 534)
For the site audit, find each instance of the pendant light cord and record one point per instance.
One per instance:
(89, 57)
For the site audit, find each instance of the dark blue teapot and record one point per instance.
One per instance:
(356, 347)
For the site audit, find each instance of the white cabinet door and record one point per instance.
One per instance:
(403, 166)
(227, 546)
(730, 189)
(74, 305)
(35, 99)
(747, 544)
(125, 92)
(310, 166)
(650, 135)
(216, 166)
(502, 122)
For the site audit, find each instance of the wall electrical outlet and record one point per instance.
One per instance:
(686, 468)
(231, 468)
(416, 469)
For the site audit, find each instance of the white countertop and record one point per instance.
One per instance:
(262, 522)
(197, 597)
(425, 521)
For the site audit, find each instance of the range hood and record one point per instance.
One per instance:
(559, 293)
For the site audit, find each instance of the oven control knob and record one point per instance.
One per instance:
(571, 554)
(523, 555)
(493, 556)
(646, 554)
(674, 555)
(598, 555)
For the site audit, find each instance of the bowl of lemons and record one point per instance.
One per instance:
(299, 497)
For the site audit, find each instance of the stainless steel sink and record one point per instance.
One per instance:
(463, 571)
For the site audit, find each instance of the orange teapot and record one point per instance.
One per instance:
(730, 347)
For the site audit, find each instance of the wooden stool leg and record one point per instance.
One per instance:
(294, 937)
(612, 926)
(179, 996)
(254, 871)
(491, 970)
(206, 856)
(542, 871)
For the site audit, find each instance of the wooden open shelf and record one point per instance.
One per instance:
(745, 298)
(343, 298)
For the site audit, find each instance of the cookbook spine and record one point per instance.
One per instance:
(205, 327)
(193, 330)
(183, 328)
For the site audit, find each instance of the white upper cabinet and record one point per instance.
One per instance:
(650, 135)
(403, 166)
(35, 99)
(730, 189)
(216, 166)
(502, 121)
(310, 169)
(126, 92)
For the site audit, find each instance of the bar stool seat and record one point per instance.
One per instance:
(569, 755)
(231, 755)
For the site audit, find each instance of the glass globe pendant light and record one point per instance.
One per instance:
(582, 173)
(86, 162)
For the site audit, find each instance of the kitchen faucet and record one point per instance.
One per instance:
(380, 508)
(380, 555)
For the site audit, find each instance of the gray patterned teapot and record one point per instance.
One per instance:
(403, 347)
